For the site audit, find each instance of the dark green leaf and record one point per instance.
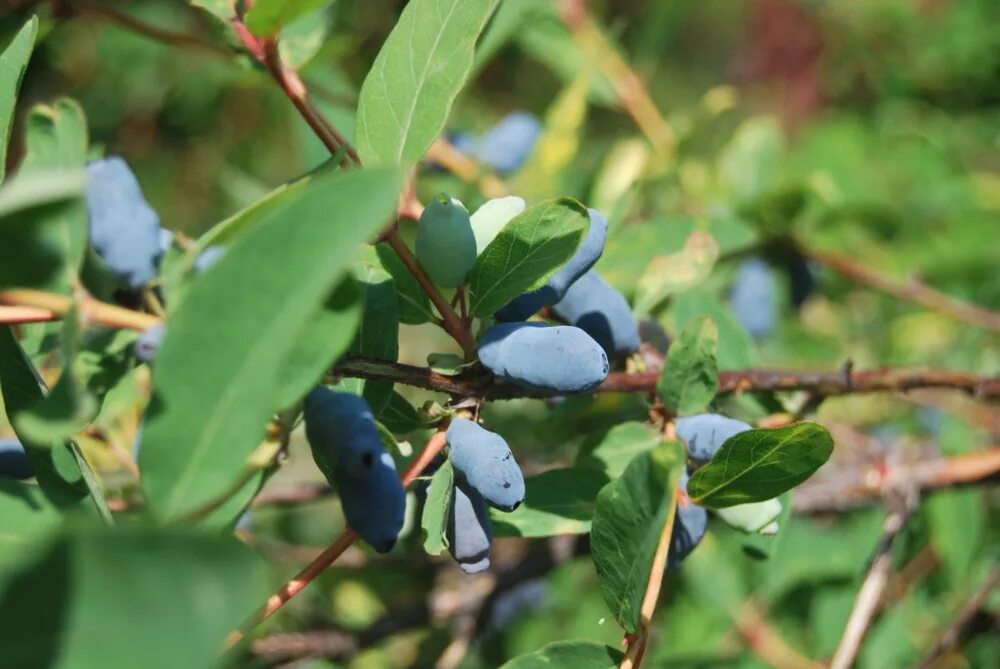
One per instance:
(620, 446)
(59, 466)
(690, 376)
(414, 306)
(225, 346)
(422, 66)
(528, 251)
(125, 598)
(26, 514)
(398, 415)
(559, 501)
(631, 515)
(436, 508)
(757, 465)
(568, 655)
(13, 62)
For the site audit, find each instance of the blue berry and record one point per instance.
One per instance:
(558, 359)
(124, 229)
(602, 312)
(690, 523)
(14, 462)
(507, 145)
(484, 460)
(469, 531)
(704, 433)
(347, 448)
(446, 244)
(752, 297)
(555, 289)
(148, 343)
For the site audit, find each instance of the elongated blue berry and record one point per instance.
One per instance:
(704, 433)
(602, 312)
(555, 289)
(469, 531)
(753, 297)
(690, 524)
(485, 461)
(14, 462)
(508, 144)
(348, 449)
(558, 359)
(124, 229)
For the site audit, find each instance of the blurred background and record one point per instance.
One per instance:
(850, 148)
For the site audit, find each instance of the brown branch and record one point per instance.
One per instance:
(951, 636)
(629, 87)
(857, 486)
(765, 642)
(910, 291)
(899, 505)
(826, 384)
(149, 30)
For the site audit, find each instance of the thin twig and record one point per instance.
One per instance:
(910, 290)
(445, 154)
(433, 447)
(149, 30)
(869, 600)
(91, 310)
(453, 324)
(951, 636)
(629, 87)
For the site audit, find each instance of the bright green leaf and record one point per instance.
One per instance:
(568, 655)
(670, 274)
(528, 251)
(13, 62)
(690, 376)
(632, 512)
(759, 464)
(621, 445)
(559, 501)
(436, 508)
(422, 66)
(267, 17)
(225, 345)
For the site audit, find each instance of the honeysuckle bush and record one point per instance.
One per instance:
(343, 289)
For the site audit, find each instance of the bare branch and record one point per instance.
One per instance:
(951, 636)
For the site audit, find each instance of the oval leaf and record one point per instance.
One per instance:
(528, 251)
(436, 509)
(568, 655)
(690, 376)
(757, 465)
(559, 501)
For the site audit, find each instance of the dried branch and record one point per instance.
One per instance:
(910, 290)
(899, 505)
(951, 636)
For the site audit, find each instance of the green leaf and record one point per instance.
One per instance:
(70, 407)
(223, 352)
(690, 376)
(13, 62)
(398, 415)
(528, 251)
(59, 466)
(26, 515)
(956, 521)
(446, 364)
(412, 302)
(621, 445)
(568, 655)
(302, 39)
(267, 17)
(422, 66)
(71, 608)
(736, 349)
(673, 273)
(325, 335)
(756, 465)
(43, 246)
(40, 188)
(631, 515)
(436, 508)
(559, 501)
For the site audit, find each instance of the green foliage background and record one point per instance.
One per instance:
(865, 129)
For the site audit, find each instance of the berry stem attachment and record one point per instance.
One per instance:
(433, 447)
(453, 324)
